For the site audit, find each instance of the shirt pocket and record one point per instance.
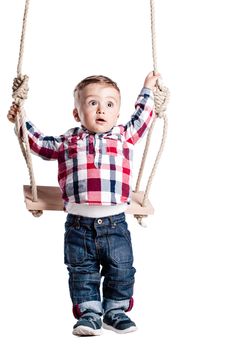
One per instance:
(113, 145)
(74, 146)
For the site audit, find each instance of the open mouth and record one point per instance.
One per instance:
(101, 120)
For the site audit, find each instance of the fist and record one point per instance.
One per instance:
(12, 114)
(151, 79)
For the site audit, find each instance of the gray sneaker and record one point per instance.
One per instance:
(119, 322)
(89, 324)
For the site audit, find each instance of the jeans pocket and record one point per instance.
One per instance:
(120, 247)
(75, 246)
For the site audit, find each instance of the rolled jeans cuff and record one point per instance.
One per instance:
(93, 306)
(125, 305)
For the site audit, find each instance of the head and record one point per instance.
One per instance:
(97, 103)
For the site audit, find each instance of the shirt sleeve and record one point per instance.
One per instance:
(142, 117)
(43, 146)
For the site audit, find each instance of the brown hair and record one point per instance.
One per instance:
(95, 79)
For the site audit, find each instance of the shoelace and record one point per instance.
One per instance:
(118, 316)
(91, 317)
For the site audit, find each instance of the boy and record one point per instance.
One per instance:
(94, 174)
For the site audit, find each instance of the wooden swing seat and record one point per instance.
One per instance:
(49, 198)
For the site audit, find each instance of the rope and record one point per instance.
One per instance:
(22, 39)
(161, 98)
(153, 35)
(20, 93)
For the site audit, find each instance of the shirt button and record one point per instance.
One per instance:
(99, 221)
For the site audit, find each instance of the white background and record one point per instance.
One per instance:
(183, 291)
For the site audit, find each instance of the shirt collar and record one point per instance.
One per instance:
(84, 132)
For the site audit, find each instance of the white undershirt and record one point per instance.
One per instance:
(95, 211)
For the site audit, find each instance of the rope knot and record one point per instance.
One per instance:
(20, 89)
(161, 94)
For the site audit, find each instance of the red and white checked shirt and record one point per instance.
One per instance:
(94, 168)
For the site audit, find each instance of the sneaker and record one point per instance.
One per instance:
(89, 324)
(117, 321)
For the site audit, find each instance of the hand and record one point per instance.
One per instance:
(151, 80)
(14, 110)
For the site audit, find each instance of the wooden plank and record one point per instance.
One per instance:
(49, 198)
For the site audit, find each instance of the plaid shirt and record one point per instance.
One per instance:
(95, 168)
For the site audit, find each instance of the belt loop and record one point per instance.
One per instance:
(76, 223)
(113, 224)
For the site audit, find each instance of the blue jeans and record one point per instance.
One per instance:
(95, 248)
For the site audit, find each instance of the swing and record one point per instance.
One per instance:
(39, 198)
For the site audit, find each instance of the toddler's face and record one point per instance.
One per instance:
(97, 107)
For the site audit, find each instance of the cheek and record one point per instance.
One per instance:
(114, 119)
(89, 110)
(86, 112)
(89, 116)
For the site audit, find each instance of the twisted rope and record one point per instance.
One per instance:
(19, 95)
(161, 98)
(22, 39)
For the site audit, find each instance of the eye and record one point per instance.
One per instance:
(110, 104)
(92, 103)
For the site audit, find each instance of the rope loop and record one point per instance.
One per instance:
(36, 213)
(140, 219)
(161, 95)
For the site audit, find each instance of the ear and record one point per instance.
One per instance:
(75, 114)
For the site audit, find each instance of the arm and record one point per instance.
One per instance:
(143, 115)
(45, 147)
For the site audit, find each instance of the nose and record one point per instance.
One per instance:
(100, 109)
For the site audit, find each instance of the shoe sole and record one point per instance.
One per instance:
(84, 330)
(120, 331)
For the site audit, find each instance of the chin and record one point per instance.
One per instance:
(102, 129)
